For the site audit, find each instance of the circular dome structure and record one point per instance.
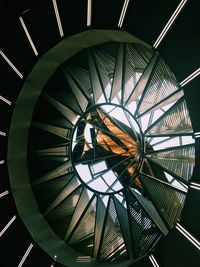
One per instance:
(109, 149)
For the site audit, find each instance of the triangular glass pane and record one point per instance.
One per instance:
(143, 230)
(168, 201)
(133, 67)
(162, 84)
(179, 161)
(86, 225)
(60, 217)
(112, 241)
(177, 121)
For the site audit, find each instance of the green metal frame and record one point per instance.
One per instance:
(21, 188)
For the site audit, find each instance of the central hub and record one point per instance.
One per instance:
(106, 148)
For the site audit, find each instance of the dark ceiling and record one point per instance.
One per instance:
(144, 19)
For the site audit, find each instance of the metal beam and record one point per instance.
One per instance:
(71, 186)
(142, 85)
(118, 83)
(58, 131)
(65, 111)
(100, 218)
(59, 171)
(83, 203)
(97, 85)
(76, 90)
(124, 226)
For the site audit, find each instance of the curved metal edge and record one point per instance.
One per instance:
(19, 133)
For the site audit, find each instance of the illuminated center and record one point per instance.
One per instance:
(107, 148)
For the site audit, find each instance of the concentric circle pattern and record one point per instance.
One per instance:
(111, 151)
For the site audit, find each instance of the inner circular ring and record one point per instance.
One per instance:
(107, 148)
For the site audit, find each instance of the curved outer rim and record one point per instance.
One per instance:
(74, 129)
(26, 204)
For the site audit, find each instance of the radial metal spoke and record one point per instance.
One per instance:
(54, 151)
(151, 211)
(164, 102)
(97, 86)
(58, 131)
(99, 226)
(167, 199)
(143, 82)
(110, 244)
(171, 172)
(164, 115)
(71, 186)
(170, 149)
(81, 208)
(170, 135)
(109, 169)
(65, 111)
(76, 90)
(174, 121)
(99, 158)
(124, 226)
(59, 171)
(118, 79)
(78, 76)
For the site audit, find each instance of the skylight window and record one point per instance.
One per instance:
(99, 167)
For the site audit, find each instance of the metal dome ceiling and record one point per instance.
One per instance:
(24, 68)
